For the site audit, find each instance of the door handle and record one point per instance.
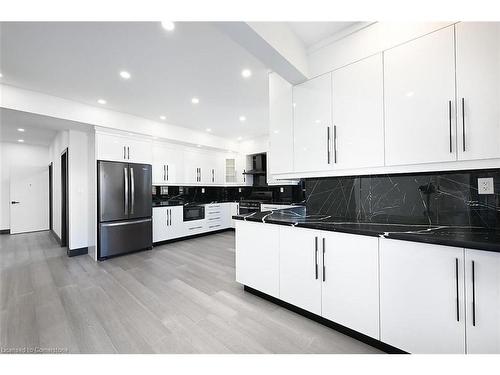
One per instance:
(15, 202)
(328, 144)
(335, 144)
(449, 118)
(132, 188)
(167, 172)
(125, 175)
(463, 127)
(164, 173)
(128, 152)
(473, 295)
(456, 289)
(324, 250)
(167, 217)
(316, 257)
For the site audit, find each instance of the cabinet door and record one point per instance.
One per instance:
(422, 297)
(478, 90)
(111, 147)
(280, 125)
(482, 280)
(139, 151)
(350, 293)
(419, 86)
(191, 167)
(299, 271)
(358, 118)
(257, 256)
(312, 121)
(160, 228)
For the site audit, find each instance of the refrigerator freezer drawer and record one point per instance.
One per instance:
(124, 236)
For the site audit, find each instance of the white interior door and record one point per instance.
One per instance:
(29, 200)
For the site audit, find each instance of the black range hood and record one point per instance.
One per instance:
(258, 165)
(258, 170)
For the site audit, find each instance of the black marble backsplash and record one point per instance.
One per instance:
(285, 194)
(437, 198)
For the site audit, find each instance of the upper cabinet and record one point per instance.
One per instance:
(115, 147)
(167, 164)
(478, 90)
(358, 114)
(420, 100)
(312, 125)
(280, 157)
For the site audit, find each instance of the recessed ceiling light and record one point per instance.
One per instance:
(163, 118)
(1, 75)
(168, 25)
(240, 138)
(102, 101)
(243, 118)
(208, 129)
(20, 130)
(195, 100)
(20, 140)
(246, 73)
(124, 74)
(198, 145)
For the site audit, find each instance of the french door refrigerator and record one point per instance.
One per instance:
(124, 208)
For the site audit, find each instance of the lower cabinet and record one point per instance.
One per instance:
(167, 223)
(257, 256)
(482, 296)
(422, 297)
(300, 268)
(350, 291)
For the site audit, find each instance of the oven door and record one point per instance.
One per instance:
(194, 213)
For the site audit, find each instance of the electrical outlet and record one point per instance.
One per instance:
(239, 190)
(202, 190)
(282, 190)
(485, 185)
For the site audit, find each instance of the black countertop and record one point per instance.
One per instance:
(458, 236)
(167, 203)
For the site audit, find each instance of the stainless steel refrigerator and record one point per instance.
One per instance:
(124, 208)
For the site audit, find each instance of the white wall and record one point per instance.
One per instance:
(373, 39)
(15, 157)
(60, 143)
(255, 145)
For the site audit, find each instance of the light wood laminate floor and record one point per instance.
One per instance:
(178, 298)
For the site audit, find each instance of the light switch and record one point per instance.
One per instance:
(485, 185)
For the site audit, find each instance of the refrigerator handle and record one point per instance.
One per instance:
(125, 174)
(132, 190)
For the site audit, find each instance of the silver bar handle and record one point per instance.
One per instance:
(125, 176)
(328, 144)
(167, 217)
(457, 290)
(324, 250)
(463, 124)
(316, 257)
(132, 192)
(335, 144)
(124, 152)
(473, 295)
(164, 173)
(167, 172)
(128, 152)
(449, 119)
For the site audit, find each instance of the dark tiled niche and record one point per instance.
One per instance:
(437, 198)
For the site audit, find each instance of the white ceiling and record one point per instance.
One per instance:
(38, 130)
(313, 32)
(81, 61)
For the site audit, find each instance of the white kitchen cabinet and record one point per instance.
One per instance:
(243, 164)
(167, 223)
(217, 216)
(482, 280)
(300, 268)
(478, 89)
(280, 153)
(117, 147)
(420, 120)
(257, 256)
(350, 291)
(358, 117)
(167, 165)
(422, 297)
(312, 125)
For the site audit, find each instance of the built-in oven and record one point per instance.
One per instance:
(194, 212)
(248, 207)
